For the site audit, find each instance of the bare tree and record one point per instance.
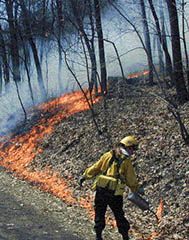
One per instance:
(94, 65)
(43, 33)
(33, 47)
(60, 27)
(169, 68)
(184, 41)
(101, 46)
(78, 23)
(160, 52)
(147, 41)
(3, 54)
(176, 49)
(1, 77)
(14, 48)
(25, 60)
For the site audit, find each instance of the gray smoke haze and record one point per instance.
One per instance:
(115, 29)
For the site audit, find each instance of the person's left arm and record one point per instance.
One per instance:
(130, 176)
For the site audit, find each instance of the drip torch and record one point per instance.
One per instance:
(140, 202)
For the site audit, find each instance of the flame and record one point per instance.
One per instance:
(137, 75)
(87, 203)
(160, 211)
(159, 214)
(16, 154)
(153, 235)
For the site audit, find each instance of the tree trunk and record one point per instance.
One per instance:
(1, 78)
(184, 42)
(14, 49)
(38, 68)
(89, 43)
(164, 46)
(4, 57)
(34, 50)
(160, 52)
(93, 55)
(160, 56)
(176, 49)
(147, 41)
(43, 30)
(93, 82)
(101, 46)
(60, 21)
(26, 56)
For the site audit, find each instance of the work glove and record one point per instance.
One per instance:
(81, 180)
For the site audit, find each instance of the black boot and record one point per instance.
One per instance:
(125, 236)
(99, 236)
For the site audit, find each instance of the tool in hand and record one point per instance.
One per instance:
(141, 203)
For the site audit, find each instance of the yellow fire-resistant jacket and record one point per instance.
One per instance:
(126, 172)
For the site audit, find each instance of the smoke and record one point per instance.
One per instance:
(129, 47)
(119, 31)
(11, 109)
(115, 29)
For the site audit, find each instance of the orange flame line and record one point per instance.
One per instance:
(137, 75)
(17, 157)
(24, 149)
(160, 210)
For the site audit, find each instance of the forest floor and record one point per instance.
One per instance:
(161, 162)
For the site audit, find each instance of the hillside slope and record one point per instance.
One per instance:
(161, 162)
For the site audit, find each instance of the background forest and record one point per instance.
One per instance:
(130, 54)
(48, 47)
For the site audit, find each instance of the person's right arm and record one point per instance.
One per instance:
(98, 167)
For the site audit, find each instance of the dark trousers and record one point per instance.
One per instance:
(104, 198)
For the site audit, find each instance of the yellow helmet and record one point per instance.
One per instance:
(129, 141)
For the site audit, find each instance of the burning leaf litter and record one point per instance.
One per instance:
(18, 156)
(38, 146)
(160, 211)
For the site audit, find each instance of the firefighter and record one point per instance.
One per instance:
(113, 172)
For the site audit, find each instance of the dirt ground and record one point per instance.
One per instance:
(29, 214)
